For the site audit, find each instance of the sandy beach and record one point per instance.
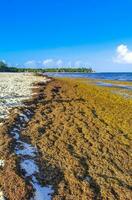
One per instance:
(14, 89)
(77, 138)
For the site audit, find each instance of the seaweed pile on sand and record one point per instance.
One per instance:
(82, 133)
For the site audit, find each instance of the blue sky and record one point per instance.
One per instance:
(95, 33)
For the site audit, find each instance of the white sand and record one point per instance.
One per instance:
(14, 88)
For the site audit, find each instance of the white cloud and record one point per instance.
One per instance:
(48, 62)
(4, 61)
(124, 55)
(43, 64)
(78, 63)
(69, 64)
(59, 63)
(30, 62)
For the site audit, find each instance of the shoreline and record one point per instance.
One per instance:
(16, 121)
(79, 134)
(15, 89)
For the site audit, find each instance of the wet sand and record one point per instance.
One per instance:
(82, 133)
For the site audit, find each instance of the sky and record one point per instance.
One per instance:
(69, 33)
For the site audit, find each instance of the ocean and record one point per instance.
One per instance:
(120, 76)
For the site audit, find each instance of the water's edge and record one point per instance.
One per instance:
(119, 76)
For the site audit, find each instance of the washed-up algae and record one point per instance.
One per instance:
(83, 134)
(11, 183)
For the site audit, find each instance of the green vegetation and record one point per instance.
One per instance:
(4, 68)
(81, 70)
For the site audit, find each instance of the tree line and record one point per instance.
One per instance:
(5, 68)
